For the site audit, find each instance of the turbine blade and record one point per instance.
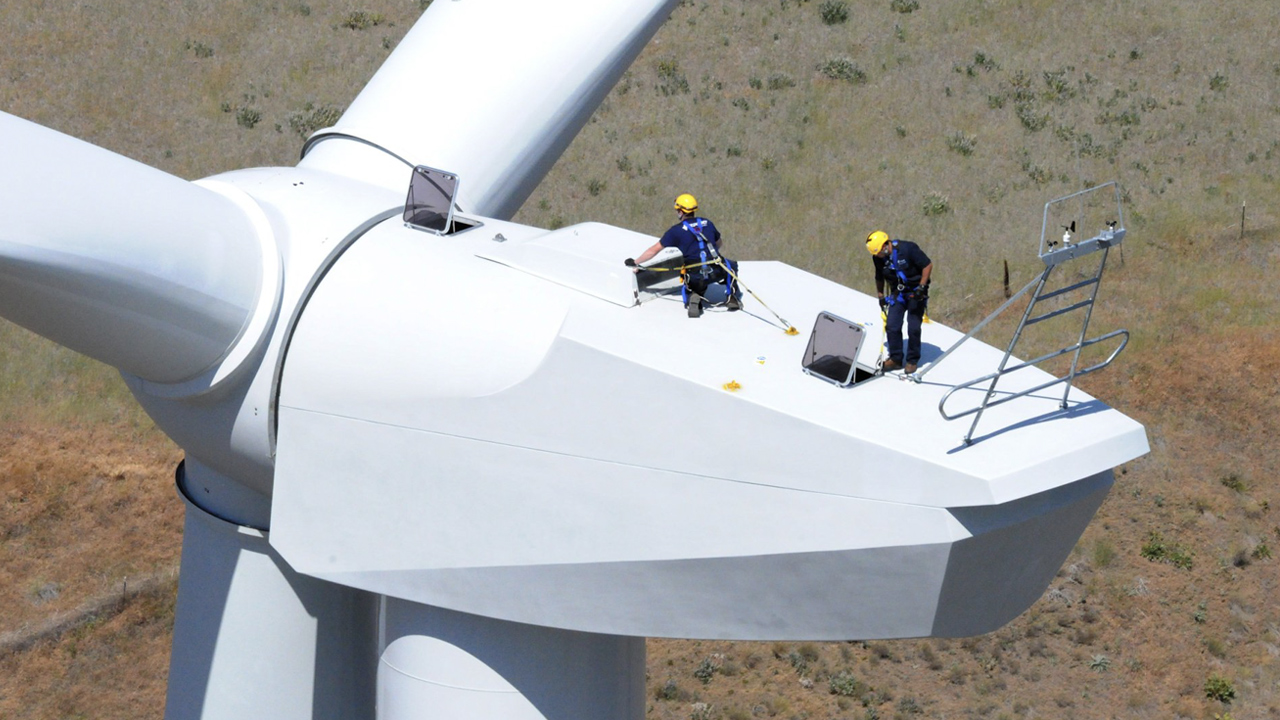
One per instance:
(119, 261)
(493, 91)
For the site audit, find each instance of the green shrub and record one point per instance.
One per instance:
(200, 49)
(1219, 688)
(670, 80)
(1057, 87)
(706, 670)
(845, 685)
(248, 117)
(833, 12)
(361, 20)
(1103, 553)
(843, 68)
(935, 204)
(985, 61)
(1215, 647)
(670, 690)
(311, 118)
(1156, 550)
(1030, 116)
(904, 6)
(962, 143)
(1234, 482)
(779, 81)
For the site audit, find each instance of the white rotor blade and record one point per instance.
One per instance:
(492, 90)
(120, 261)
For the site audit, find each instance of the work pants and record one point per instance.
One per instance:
(913, 311)
(717, 288)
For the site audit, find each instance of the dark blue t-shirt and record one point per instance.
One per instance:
(681, 235)
(906, 258)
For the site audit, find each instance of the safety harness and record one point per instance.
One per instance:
(707, 254)
(903, 282)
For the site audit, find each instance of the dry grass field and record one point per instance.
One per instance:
(801, 125)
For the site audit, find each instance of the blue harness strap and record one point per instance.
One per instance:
(707, 255)
(902, 277)
(705, 249)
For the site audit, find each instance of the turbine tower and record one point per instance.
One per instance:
(416, 484)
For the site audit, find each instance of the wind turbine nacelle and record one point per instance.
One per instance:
(491, 422)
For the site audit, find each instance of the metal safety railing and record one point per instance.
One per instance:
(1081, 207)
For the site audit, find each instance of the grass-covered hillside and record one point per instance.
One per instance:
(801, 125)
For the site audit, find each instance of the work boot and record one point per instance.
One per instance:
(695, 305)
(890, 365)
(734, 304)
(910, 368)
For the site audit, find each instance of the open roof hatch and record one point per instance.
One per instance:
(430, 205)
(832, 353)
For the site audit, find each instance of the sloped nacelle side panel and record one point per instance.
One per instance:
(994, 576)
(580, 544)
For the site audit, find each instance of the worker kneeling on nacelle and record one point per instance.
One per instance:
(709, 278)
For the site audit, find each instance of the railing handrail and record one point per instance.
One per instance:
(1030, 363)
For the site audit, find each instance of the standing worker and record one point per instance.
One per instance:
(707, 275)
(904, 268)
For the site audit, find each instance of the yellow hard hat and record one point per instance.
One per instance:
(686, 203)
(876, 241)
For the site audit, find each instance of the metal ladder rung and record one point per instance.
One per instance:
(1056, 313)
(1069, 288)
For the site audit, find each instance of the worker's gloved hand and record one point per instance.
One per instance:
(884, 304)
(629, 262)
(922, 291)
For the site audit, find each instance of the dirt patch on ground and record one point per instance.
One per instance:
(112, 665)
(81, 511)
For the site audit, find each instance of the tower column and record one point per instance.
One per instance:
(252, 638)
(442, 664)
